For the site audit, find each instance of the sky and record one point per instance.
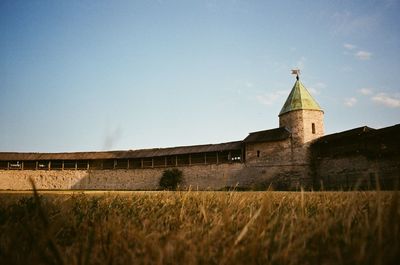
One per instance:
(118, 75)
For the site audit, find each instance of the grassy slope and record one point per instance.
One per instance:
(200, 228)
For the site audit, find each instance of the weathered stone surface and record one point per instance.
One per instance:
(356, 172)
(269, 153)
(202, 177)
(299, 122)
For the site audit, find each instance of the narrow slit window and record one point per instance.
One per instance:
(313, 128)
(258, 153)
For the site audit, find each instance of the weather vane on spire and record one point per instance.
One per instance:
(296, 72)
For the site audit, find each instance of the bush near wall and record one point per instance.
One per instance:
(170, 179)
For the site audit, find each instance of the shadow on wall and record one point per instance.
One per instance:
(358, 173)
(361, 158)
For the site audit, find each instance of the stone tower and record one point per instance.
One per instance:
(302, 115)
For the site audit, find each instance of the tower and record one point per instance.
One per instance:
(301, 114)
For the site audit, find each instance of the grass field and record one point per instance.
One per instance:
(200, 228)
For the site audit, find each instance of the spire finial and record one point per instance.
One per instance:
(296, 72)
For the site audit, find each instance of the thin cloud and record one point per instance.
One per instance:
(350, 102)
(345, 23)
(386, 100)
(381, 98)
(313, 91)
(351, 49)
(316, 88)
(271, 98)
(363, 55)
(349, 46)
(366, 91)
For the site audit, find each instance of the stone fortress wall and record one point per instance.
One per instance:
(198, 177)
(340, 161)
(271, 167)
(361, 158)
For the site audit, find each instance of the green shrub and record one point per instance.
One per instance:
(170, 179)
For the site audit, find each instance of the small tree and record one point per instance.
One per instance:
(170, 179)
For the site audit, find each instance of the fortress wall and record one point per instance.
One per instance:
(358, 171)
(281, 165)
(270, 152)
(358, 158)
(19, 179)
(276, 153)
(278, 177)
(202, 177)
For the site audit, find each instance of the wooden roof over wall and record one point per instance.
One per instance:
(359, 141)
(343, 136)
(141, 153)
(272, 135)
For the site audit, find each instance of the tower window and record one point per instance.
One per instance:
(313, 128)
(258, 153)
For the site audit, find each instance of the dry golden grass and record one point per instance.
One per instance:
(200, 228)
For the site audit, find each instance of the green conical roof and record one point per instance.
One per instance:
(299, 98)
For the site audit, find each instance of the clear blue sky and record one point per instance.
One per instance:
(109, 75)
